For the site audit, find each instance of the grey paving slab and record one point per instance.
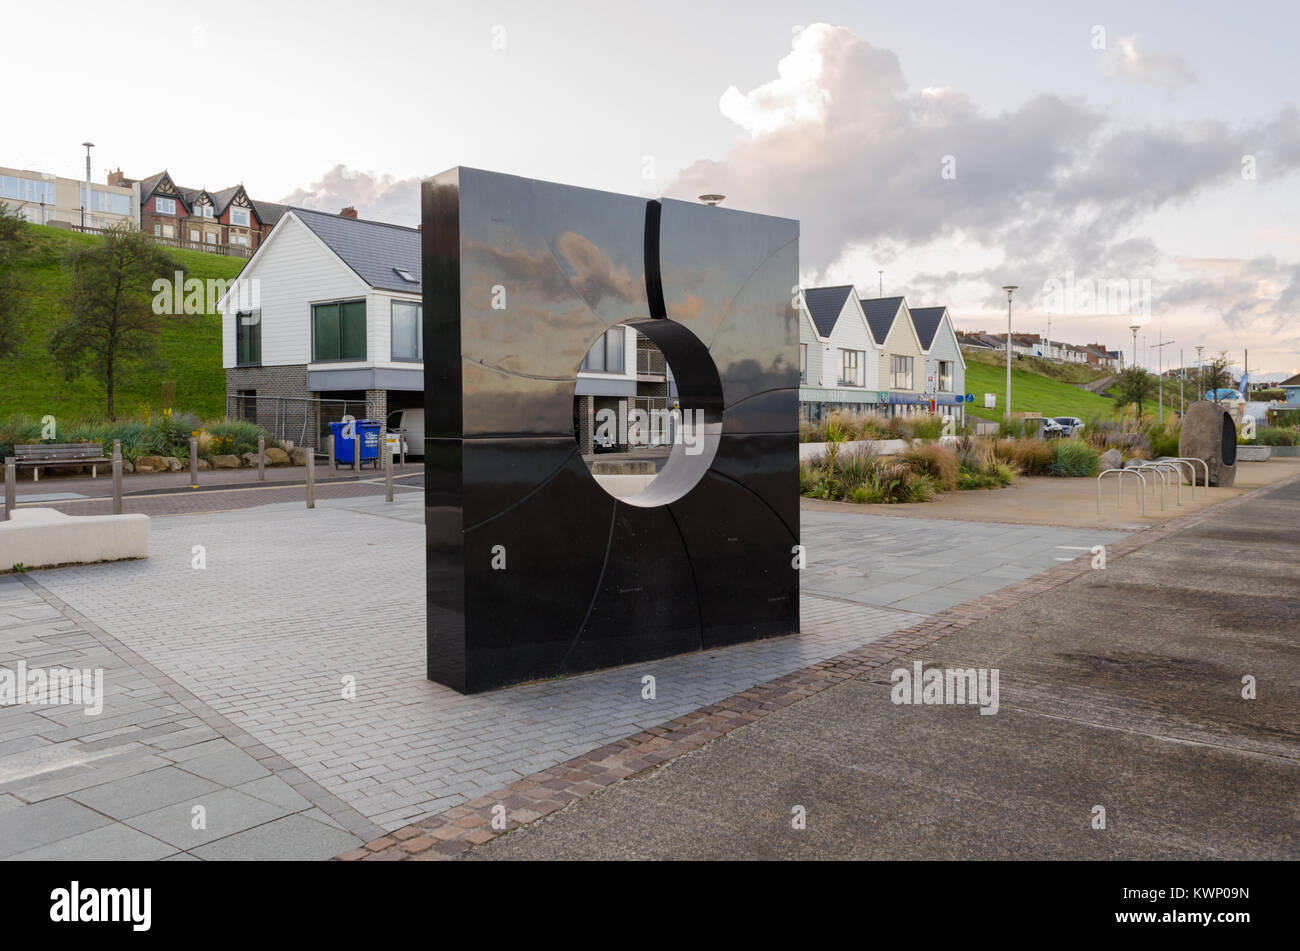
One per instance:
(293, 838)
(45, 822)
(229, 767)
(225, 812)
(113, 842)
(145, 792)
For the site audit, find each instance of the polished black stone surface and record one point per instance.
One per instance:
(520, 277)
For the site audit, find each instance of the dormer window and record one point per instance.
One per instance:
(239, 217)
(205, 211)
(165, 206)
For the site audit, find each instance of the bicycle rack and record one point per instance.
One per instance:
(1204, 465)
(1119, 488)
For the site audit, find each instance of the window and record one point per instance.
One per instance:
(408, 331)
(248, 338)
(194, 235)
(338, 331)
(26, 189)
(212, 237)
(406, 275)
(902, 373)
(803, 363)
(945, 376)
(205, 211)
(606, 354)
(113, 203)
(240, 239)
(239, 217)
(851, 374)
(157, 231)
(169, 231)
(165, 206)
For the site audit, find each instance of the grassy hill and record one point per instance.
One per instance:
(190, 352)
(1064, 372)
(1031, 391)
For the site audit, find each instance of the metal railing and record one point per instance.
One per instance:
(229, 250)
(304, 420)
(1119, 490)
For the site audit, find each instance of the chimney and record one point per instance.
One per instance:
(117, 178)
(348, 212)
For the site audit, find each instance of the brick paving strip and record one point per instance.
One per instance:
(457, 830)
(338, 810)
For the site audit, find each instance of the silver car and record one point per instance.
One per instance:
(1070, 425)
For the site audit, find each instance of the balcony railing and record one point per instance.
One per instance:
(229, 250)
(651, 363)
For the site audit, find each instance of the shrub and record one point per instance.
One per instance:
(928, 427)
(1030, 456)
(1275, 436)
(1164, 438)
(935, 461)
(1073, 458)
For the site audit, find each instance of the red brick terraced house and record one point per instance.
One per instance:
(226, 221)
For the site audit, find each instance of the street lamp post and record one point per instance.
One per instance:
(1010, 289)
(1135, 328)
(85, 199)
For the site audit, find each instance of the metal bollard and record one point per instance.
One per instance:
(11, 485)
(402, 439)
(194, 462)
(329, 450)
(117, 477)
(261, 458)
(311, 478)
(356, 452)
(388, 470)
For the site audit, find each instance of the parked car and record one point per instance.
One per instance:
(1040, 427)
(1071, 425)
(409, 423)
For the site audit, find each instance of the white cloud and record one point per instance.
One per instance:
(1125, 61)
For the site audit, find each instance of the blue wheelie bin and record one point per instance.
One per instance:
(368, 430)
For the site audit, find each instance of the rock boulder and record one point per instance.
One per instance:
(225, 462)
(1209, 433)
(151, 464)
(277, 457)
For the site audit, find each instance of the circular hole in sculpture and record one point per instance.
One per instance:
(647, 411)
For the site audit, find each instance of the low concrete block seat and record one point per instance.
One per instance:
(40, 537)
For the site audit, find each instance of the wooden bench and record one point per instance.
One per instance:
(46, 455)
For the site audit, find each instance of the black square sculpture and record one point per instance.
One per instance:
(534, 571)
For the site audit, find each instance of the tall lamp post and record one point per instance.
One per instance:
(1200, 371)
(1010, 289)
(85, 199)
(1135, 328)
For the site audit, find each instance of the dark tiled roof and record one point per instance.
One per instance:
(371, 248)
(147, 185)
(881, 312)
(1294, 381)
(268, 212)
(825, 304)
(926, 320)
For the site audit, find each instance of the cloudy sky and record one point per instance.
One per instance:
(1149, 148)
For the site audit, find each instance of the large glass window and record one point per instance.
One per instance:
(803, 363)
(113, 203)
(851, 372)
(606, 354)
(248, 338)
(902, 373)
(165, 206)
(945, 376)
(26, 189)
(239, 217)
(408, 331)
(338, 331)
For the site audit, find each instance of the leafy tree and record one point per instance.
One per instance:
(1216, 376)
(1134, 385)
(111, 320)
(14, 245)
